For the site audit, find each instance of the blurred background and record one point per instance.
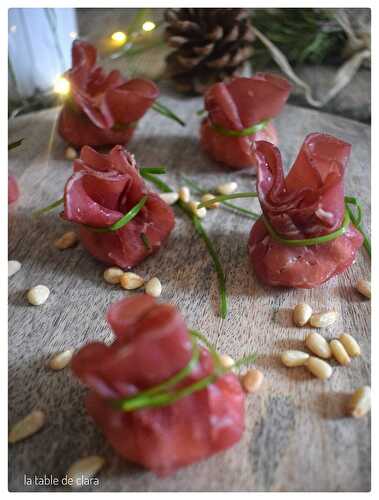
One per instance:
(324, 52)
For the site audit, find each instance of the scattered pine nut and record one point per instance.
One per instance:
(13, 267)
(113, 275)
(227, 188)
(360, 402)
(322, 320)
(67, 240)
(38, 295)
(318, 345)
(319, 368)
(84, 469)
(131, 281)
(364, 288)
(301, 314)
(184, 194)
(339, 352)
(28, 426)
(169, 198)
(70, 153)
(252, 380)
(294, 358)
(226, 360)
(200, 212)
(61, 360)
(153, 287)
(350, 344)
(208, 197)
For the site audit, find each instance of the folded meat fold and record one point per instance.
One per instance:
(308, 203)
(152, 344)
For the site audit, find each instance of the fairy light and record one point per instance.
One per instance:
(61, 85)
(73, 35)
(119, 37)
(148, 26)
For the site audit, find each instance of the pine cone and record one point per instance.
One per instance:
(211, 45)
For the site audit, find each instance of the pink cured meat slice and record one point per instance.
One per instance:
(13, 189)
(237, 105)
(308, 203)
(102, 108)
(101, 190)
(152, 345)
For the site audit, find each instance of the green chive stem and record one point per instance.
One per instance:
(15, 144)
(248, 213)
(225, 197)
(357, 220)
(203, 234)
(165, 394)
(152, 170)
(165, 111)
(44, 210)
(123, 220)
(241, 133)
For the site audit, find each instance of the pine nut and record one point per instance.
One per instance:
(226, 361)
(360, 402)
(184, 194)
(169, 198)
(227, 188)
(38, 295)
(339, 352)
(153, 287)
(322, 320)
(364, 288)
(350, 344)
(131, 281)
(319, 368)
(200, 212)
(318, 345)
(70, 154)
(84, 469)
(208, 197)
(67, 240)
(61, 360)
(301, 314)
(13, 267)
(252, 380)
(28, 426)
(113, 275)
(294, 358)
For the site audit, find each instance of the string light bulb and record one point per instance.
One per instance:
(148, 26)
(119, 37)
(61, 85)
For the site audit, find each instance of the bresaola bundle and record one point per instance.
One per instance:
(102, 189)
(240, 113)
(308, 204)
(131, 398)
(101, 109)
(13, 189)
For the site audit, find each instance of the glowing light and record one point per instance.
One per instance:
(61, 85)
(73, 35)
(13, 28)
(119, 37)
(148, 26)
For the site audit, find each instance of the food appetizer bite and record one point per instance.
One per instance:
(101, 109)
(121, 222)
(239, 113)
(305, 235)
(162, 400)
(13, 189)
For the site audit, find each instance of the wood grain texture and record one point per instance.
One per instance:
(297, 437)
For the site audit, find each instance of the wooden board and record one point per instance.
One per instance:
(297, 437)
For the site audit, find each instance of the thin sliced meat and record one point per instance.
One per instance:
(308, 203)
(102, 189)
(102, 108)
(238, 105)
(152, 345)
(13, 189)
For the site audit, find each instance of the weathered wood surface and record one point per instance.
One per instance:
(297, 437)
